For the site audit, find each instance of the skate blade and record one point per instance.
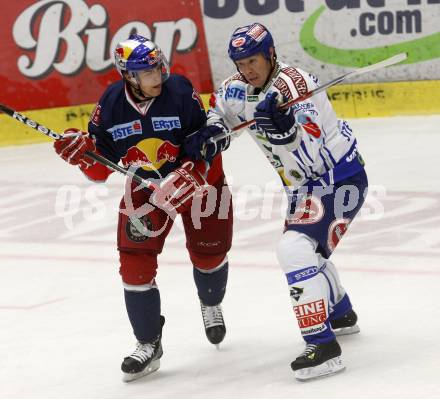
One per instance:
(326, 369)
(347, 330)
(151, 368)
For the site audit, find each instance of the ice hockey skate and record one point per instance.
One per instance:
(214, 324)
(345, 325)
(317, 361)
(144, 360)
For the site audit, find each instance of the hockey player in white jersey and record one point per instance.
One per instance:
(317, 159)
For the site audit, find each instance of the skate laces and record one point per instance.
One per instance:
(309, 351)
(212, 315)
(143, 351)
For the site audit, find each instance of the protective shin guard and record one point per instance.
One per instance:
(143, 309)
(211, 287)
(337, 291)
(309, 297)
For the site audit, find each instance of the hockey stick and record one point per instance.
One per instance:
(381, 64)
(56, 136)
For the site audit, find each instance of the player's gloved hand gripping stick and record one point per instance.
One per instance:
(382, 64)
(173, 194)
(56, 136)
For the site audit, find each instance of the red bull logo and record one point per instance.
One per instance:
(151, 154)
(167, 151)
(153, 57)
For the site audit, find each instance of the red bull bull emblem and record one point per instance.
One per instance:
(167, 151)
(151, 154)
(153, 57)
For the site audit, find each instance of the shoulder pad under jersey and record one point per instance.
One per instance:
(293, 82)
(233, 93)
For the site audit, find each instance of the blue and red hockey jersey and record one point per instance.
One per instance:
(147, 135)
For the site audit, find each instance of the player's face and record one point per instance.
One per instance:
(255, 69)
(150, 81)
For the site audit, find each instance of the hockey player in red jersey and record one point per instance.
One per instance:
(142, 121)
(317, 159)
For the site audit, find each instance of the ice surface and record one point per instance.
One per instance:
(63, 327)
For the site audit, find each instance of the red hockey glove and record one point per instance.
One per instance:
(175, 192)
(73, 146)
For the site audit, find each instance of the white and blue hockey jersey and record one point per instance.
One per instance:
(324, 149)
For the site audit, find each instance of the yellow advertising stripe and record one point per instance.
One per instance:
(363, 100)
(358, 100)
(57, 119)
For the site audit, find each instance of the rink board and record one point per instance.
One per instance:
(358, 100)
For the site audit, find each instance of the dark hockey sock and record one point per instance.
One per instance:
(211, 287)
(143, 309)
(341, 308)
